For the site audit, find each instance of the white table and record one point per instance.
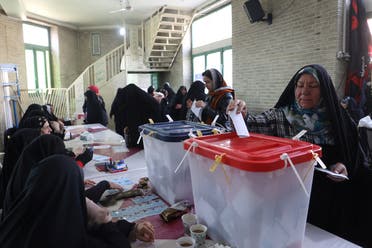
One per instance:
(100, 133)
(314, 238)
(105, 141)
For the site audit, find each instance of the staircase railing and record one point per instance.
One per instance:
(67, 101)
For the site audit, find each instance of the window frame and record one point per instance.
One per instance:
(205, 53)
(44, 49)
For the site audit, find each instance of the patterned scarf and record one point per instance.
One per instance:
(219, 86)
(315, 121)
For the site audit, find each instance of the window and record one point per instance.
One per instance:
(213, 27)
(198, 67)
(37, 52)
(220, 60)
(211, 44)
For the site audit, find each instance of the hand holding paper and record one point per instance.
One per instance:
(332, 174)
(239, 124)
(195, 110)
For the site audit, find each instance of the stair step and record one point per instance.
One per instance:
(160, 57)
(163, 61)
(162, 30)
(168, 35)
(165, 44)
(176, 16)
(166, 68)
(160, 62)
(164, 50)
(179, 28)
(172, 23)
(170, 38)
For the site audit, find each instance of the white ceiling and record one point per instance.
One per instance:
(82, 14)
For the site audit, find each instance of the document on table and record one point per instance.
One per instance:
(331, 173)
(196, 110)
(100, 158)
(239, 124)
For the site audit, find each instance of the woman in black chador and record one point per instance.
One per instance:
(131, 108)
(94, 109)
(309, 102)
(12, 152)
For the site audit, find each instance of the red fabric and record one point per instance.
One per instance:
(360, 49)
(79, 163)
(94, 89)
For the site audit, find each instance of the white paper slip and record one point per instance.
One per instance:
(195, 110)
(331, 173)
(169, 118)
(100, 158)
(239, 124)
(101, 147)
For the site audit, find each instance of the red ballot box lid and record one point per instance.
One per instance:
(256, 153)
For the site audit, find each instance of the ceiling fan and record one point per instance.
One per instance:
(125, 6)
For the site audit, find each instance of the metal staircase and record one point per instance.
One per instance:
(167, 27)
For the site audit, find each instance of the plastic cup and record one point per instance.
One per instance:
(199, 233)
(185, 242)
(188, 220)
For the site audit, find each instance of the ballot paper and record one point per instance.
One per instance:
(195, 110)
(239, 123)
(332, 173)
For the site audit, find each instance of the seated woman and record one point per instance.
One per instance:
(218, 98)
(310, 103)
(38, 122)
(51, 211)
(56, 126)
(13, 151)
(40, 148)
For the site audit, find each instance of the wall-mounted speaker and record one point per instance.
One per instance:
(254, 10)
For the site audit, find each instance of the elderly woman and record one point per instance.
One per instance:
(218, 98)
(310, 103)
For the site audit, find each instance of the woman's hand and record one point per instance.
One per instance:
(115, 186)
(89, 183)
(145, 231)
(200, 104)
(338, 168)
(240, 106)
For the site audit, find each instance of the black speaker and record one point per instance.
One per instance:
(254, 10)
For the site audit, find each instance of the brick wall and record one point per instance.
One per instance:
(69, 56)
(12, 49)
(11, 52)
(265, 57)
(110, 39)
